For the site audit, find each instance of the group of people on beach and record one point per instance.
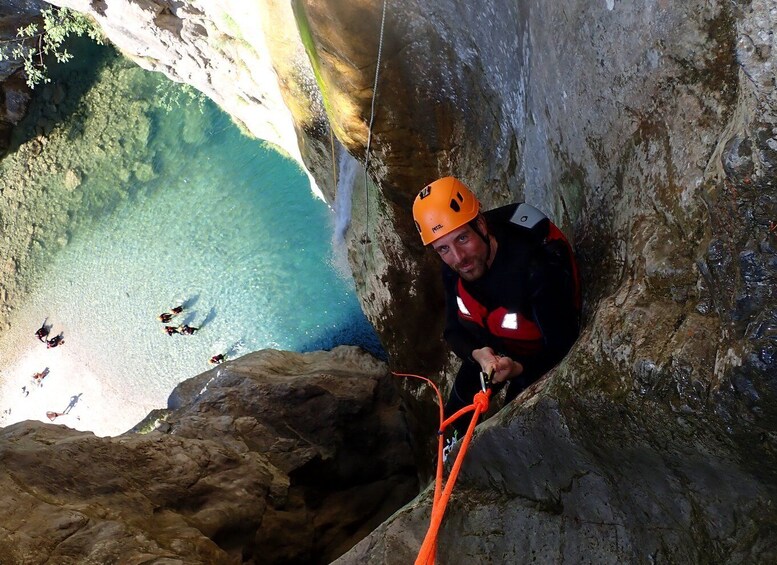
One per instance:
(43, 336)
(42, 333)
(184, 329)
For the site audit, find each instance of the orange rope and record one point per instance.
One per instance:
(426, 555)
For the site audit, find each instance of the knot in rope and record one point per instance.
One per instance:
(426, 556)
(480, 401)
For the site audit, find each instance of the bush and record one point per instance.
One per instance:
(33, 44)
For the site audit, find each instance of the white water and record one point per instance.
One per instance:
(348, 170)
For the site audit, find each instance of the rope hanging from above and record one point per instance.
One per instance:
(375, 87)
(366, 238)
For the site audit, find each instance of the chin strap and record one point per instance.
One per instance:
(486, 239)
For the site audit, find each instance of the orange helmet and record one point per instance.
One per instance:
(443, 206)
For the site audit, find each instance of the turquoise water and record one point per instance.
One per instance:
(228, 228)
(235, 235)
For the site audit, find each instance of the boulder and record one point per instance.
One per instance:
(271, 458)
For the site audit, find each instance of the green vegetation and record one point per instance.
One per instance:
(230, 25)
(171, 95)
(35, 44)
(303, 25)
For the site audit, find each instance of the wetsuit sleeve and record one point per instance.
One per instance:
(461, 341)
(552, 299)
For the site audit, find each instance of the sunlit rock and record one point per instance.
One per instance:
(233, 51)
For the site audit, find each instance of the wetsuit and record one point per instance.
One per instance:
(525, 306)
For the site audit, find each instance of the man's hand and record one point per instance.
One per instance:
(504, 368)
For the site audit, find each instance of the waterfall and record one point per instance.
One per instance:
(348, 169)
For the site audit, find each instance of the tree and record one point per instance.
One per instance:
(33, 45)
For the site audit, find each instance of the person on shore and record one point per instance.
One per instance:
(186, 329)
(512, 290)
(38, 377)
(55, 341)
(217, 359)
(171, 330)
(43, 332)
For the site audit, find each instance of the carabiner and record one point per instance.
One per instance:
(485, 379)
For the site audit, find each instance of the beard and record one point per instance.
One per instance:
(471, 269)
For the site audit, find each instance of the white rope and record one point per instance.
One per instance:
(375, 87)
(369, 131)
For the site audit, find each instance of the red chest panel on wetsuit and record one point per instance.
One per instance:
(519, 334)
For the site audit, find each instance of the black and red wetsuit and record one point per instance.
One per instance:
(526, 306)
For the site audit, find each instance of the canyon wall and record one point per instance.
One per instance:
(649, 134)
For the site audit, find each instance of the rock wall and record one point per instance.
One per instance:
(648, 133)
(272, 458)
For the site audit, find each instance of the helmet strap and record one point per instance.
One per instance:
(484, 236)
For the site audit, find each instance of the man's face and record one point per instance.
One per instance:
(464, 251)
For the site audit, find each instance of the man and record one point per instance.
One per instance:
(511, 287)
